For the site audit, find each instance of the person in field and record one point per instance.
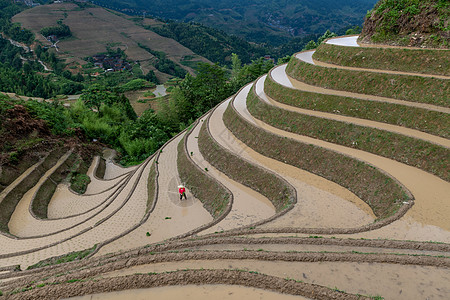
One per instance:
(182, 191)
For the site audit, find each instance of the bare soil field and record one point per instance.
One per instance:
(94, 29)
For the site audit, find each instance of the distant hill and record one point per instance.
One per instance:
(424, 23)
(261, 21)
(95, 30)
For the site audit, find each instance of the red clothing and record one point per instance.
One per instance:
(181, 190)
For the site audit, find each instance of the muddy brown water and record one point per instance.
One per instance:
(22, 223)
(248, 205)
(319, 200)
(430, 192)
(388, 280)
(171, 217)
(113, 170)
(192, 292)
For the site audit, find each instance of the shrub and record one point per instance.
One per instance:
(79, 182)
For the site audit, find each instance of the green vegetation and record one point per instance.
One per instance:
(405, 60)
(134, 84)
(432, 122)
(151, 188)
(63, 259)
(264, 22)
(262, 181)
(61, 30)
(10, 201)
(214, 196)
(40, 201)
(53, 113)
(79, 182)
(163, 64)
(13, 30)
(379, 191)
(399, 21)
(313, 45)
(23, 76)
(410, 88)
(215, 45)
(414, 152)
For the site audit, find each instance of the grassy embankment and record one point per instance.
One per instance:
(214, 196)
(152, 187)
(414, 152)
(79, 181)
(63, 258)
(101, 168)
(423, 61)
(431, 122)
(383, 194)
(410, 88)
(40, 201)
(74, 170)
(262, 181)
(9, 203)
(419, 23)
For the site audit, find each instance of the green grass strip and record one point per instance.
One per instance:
(423, 61)
(40, 202)
(410, 88)
(250, 175)
(63, 259)
(151, 187)
(431, 122)
(414, 152)
(383, 194)
(9, 203)
(214, 197)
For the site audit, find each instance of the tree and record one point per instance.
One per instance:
(311, 45)
(235, 66)
(95, 95)
(328, 34)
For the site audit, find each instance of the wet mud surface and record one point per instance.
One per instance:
(326, 247)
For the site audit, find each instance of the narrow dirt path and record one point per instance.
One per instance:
(351, 41)
(281, 247)
(280, 73)
(319, 200)
(193, 292)
(248, 206)
(328, 65)
(430, 192)
(171, 217)
(357, 121)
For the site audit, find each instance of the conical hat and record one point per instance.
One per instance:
(181, 186)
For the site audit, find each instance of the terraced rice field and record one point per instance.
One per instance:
(287, 198)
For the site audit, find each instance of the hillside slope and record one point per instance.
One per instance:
(363, 209)
(266, 21)
(409, 23)
(94, 29)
